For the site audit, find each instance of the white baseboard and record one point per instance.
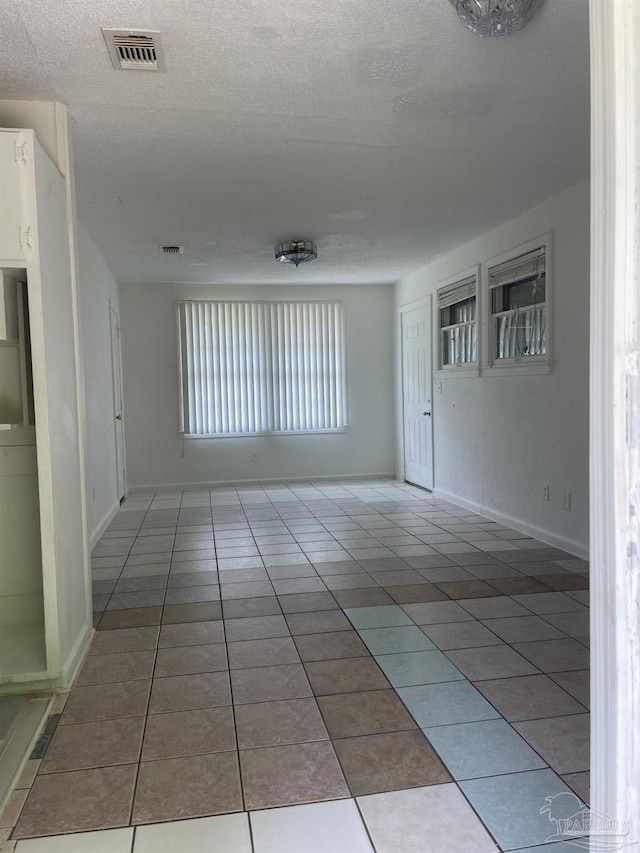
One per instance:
(103, 524)
(213, 484)
(547, 536)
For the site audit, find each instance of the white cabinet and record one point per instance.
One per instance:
(45, 609)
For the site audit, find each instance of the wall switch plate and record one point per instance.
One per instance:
(546, 491)
(566, 501)
(438, 387)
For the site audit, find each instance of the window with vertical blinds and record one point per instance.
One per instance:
(261, 367)
(519, 306)
(458, 332)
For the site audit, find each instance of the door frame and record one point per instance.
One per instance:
(421, 302)
(116, 374)
(614, 454)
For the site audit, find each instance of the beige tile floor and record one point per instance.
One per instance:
(321, 667)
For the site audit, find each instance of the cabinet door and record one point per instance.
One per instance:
(11, 217)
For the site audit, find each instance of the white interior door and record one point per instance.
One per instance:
(416, 380)
(116, 368)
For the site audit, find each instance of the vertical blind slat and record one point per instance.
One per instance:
(264, 367)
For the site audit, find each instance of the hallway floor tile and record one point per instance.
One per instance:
(354, 666)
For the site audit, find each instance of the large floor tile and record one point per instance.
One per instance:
(270, 683)
(135, 617)
(487, 748)
(288, 775)
(410, 668)
(79, 800)
(187, 660)
(350, 714)
(276, 723)
(435, 612)
(99, 744)
(256, 628)
(577, 683)
(549, 602)
(580, 783)
(181, 733)
(414, 593)
(346, 675)
(202, 611)
(444, 704)
(305, 602)
(188, 692)
(255, 653)
(330, 646)
(555, 655)
(106, 702)
(562, 741)
(107, 841)
(510, 805)
(123, 640)
(194, 786)
(373, 597)
(403, 638)
(125, 666)
(191, 634)
(246, 608)
(490, 662)
(460, 635)
(529, 697)
(501, 607)
(377, 617)
(522, 629)
(334, 827)
(389, 762)
(434, 818)
(317, 622)
(221, 834)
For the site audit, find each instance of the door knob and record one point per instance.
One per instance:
(118, 417)
(427, 414)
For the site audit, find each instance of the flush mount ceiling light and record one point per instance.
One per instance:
(296, 252)
(492, 18)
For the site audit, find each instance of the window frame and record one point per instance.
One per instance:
(465, 368)
(524, 364)
(182, 380)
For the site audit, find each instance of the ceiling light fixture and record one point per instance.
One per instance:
(492, 18)
(296, 252)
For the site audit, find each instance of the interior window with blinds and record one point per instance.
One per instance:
(261, 367)
(458, 331)
(518, 304)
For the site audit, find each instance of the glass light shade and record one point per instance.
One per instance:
(492, 18)
(296, 252)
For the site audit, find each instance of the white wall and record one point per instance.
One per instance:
(97, 287)
(157, 456)
(498, 439)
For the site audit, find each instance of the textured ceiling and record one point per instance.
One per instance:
(381, 129)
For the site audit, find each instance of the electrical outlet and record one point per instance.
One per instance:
(545, 492)
(566, 501)
(255, 457)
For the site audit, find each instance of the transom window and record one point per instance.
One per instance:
(251, 368)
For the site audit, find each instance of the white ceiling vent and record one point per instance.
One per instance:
(171, 250)
(135, 50)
